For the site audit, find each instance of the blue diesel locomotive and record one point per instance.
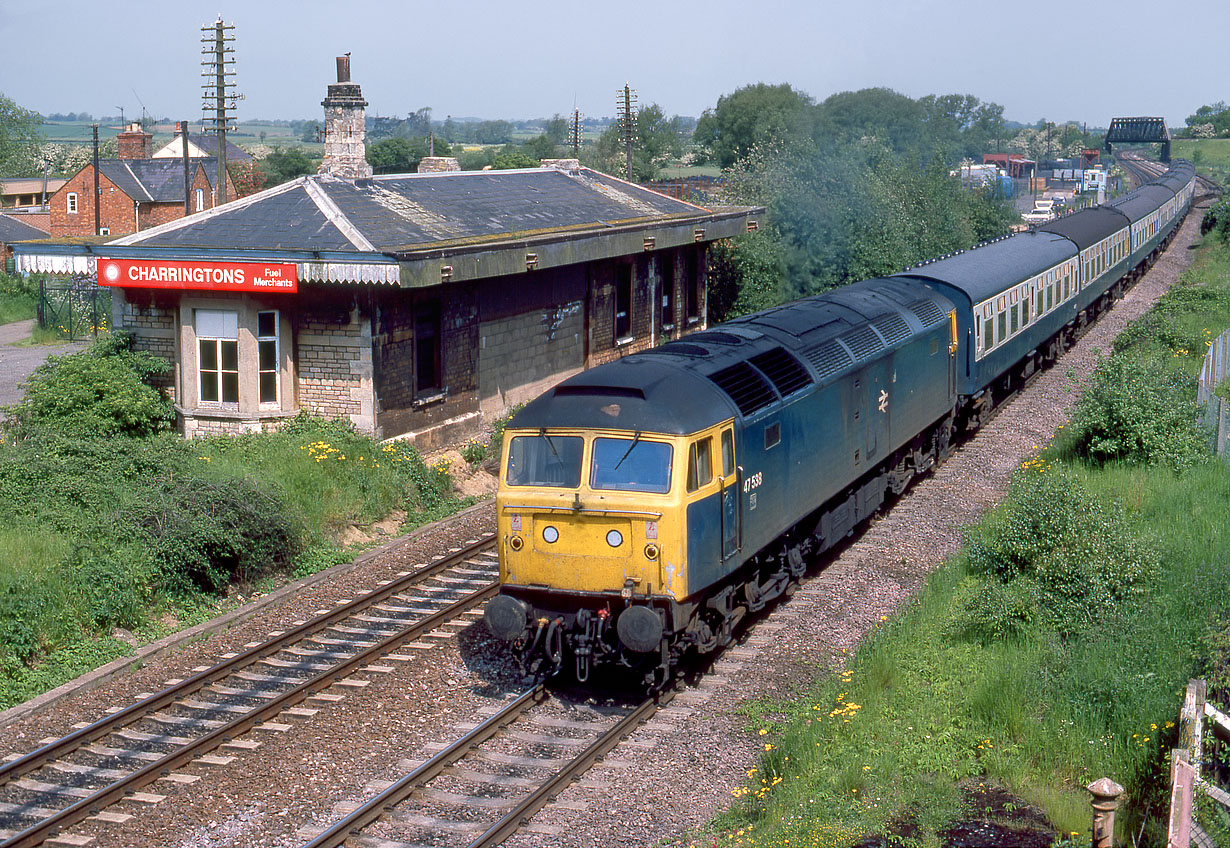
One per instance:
(645, 506)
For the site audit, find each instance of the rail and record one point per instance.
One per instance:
(118, 789)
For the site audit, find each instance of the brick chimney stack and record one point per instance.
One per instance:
(345, 152)
(135, 143)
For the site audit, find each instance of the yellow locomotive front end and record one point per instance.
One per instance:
(591, 545)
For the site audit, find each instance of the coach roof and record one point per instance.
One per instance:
(996, 267)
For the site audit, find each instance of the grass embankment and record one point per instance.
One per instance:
(18, 298)
(1054, 649)
(110, 521)
(1211, 156)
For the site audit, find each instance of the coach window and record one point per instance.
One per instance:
(988, 331)
(217, 333)
(700, 464)
(623, 303)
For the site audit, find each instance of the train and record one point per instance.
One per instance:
(647, 505)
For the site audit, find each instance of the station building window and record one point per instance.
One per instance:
(267, 356)
(623, 302)
(668, 293)
(428, 358)
(217, 333)
(692, 288)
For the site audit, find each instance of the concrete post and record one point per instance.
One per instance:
(1105, 794)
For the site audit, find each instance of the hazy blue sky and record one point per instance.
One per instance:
(525, 58)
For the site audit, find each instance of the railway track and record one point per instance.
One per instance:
(484, 786)
(80, 775)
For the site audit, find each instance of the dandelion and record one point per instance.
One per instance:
(762, 731)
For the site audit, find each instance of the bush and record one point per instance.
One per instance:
(98, 393)
(1140, 410)
(1053, 554)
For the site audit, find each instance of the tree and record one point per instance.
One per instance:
(656, 142)
(752, 115)
(557, 129)
(284, 164)
(493, 132)
(402, 155)
(20, 136)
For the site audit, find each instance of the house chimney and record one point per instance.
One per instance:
(135, 143)
(345, 153)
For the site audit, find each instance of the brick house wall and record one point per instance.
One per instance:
(117, 210)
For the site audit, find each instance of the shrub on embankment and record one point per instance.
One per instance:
(1053, 649)
(109, 520)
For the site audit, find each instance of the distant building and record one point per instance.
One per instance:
(27, 192)
(135, 191)
(14, 229)
(415, 304)
(200, 146)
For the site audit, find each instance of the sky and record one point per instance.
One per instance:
(530, 59)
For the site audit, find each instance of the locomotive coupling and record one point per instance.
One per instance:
(507, 617)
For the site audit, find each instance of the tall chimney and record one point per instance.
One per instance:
(345, 153)
(134, 143)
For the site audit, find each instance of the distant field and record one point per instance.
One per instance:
(79, 132)
(1207, 154)
(692, 171)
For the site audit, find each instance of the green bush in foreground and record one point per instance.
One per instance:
(101, 392)
(1139, 409)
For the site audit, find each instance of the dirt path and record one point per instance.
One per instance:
(17, 361)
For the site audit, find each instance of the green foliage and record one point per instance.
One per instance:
(474, 451)
(100, 392)
(402, 155)
(1216, 220)
(657, 140)
(284, 164)
(18, 297)
(746, 274)
(19, 140)
(1139, 409)
(513, 159)
(752, 116)
(1067, 558)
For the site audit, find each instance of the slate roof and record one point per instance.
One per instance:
(401, 214)
(154, 180)
(13, 230)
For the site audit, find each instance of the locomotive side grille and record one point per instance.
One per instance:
(744, 385)
(828, 358)
(783, 370)
(893, 328)
(863, 343)
(927, 312)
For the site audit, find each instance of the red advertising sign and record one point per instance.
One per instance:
(212, 276)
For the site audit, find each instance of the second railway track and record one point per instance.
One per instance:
(78, 776)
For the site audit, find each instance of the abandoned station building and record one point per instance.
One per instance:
(413, 304)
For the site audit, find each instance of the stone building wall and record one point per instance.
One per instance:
(150, 318)
(333, 350)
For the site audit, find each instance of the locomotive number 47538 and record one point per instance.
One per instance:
(753, 481)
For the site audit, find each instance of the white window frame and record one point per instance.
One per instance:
(217, 340)
(200, 199)
(71, 201)
(276, 338)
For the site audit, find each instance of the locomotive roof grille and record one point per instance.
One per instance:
(828, 358)
(785, 372)
(863, 343)
(745, 386)
(928, 312)
(893, 328)
(683, 349)
(600, 391)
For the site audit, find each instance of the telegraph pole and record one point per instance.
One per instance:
(218, 95)
(574, 134)
(626, 111)
(97, 191)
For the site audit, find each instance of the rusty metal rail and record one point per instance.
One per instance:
(118, 789)
(371, 810)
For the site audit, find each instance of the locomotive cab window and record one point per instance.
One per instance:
(700, 464)
(728, 453)
(553, 461)
(631, 465)
(773, 435)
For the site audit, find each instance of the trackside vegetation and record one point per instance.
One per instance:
(1052, 651)
(112, 525)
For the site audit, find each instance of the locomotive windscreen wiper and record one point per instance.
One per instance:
(635, 438)
(550, 444)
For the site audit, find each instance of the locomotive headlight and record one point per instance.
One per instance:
(515, 543)
(550, 535)
(651, 551)
(614, 538)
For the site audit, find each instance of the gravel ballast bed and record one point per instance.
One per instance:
(671, 776)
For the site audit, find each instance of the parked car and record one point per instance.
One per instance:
(1038, 216)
